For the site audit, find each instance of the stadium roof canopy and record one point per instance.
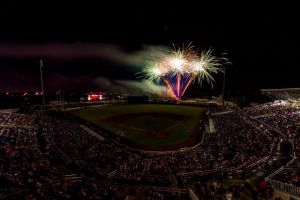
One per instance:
(291, 94)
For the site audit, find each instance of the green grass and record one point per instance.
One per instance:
(138, 121)
(149, 122)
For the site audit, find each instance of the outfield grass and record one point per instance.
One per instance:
(144, 123)
(150, 122)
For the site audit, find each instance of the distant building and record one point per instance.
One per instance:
(92, 96)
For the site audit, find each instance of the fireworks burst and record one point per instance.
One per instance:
(181, 66)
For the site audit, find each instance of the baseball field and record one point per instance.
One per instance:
(151, 126)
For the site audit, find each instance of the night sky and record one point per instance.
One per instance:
(92, 46)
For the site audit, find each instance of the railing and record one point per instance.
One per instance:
(221, 113)
(15, 195)
(294, 152)
(263, 159)
(170, 189)
(268, 178)
(273, 174)
(209, 171)
(291, 161)
(257, 162)
(112, 173)
(285, 187)
(192, 195)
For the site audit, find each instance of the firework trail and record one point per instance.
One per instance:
(180, 67)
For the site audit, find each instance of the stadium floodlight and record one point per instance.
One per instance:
(42, 82)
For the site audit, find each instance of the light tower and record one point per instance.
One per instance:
(42, 82)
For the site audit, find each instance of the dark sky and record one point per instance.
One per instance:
(80, 42)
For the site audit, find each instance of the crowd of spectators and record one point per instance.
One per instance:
(146, 171)
(32, 165)
(85, 150)
(281, 116)
(211, 188)
(235, 144)
(264, 109)
(154, 194)
(22, 165)
(38, 154)
(16, 120)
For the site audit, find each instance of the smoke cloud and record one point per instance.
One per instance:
(131, 87)
(124, 61)
(62, 51)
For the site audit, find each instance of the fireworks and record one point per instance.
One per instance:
(181, 66)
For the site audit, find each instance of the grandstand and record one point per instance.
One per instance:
(66, 158)
(284, 116)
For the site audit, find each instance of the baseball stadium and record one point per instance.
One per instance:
(149, 126)
(149, 101)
